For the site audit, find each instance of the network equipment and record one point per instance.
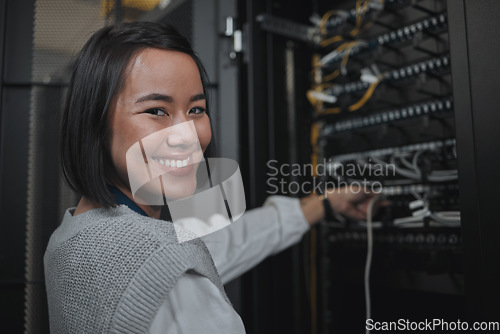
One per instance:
(382, 114)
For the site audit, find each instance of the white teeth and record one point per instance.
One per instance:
(174, 163)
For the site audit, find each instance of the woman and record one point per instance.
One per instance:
(113, 265)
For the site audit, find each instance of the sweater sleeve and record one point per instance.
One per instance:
(260, 232)
(195, 305)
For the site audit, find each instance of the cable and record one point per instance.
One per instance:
(331, 40)
(329, 111)
(344, 46)
(438, 176)
(369, 253)
(368, 94)
(452, 218)
(407, 163)
(315, 94)
(345, 59)
(314, 145)
(415, 160)
(358, 14)
(331, 76)
(361, 9)
(324, 19)
(313, 280)
(448, 221)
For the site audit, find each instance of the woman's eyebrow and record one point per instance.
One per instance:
(197, 97)
(155, 97)
(167, 98)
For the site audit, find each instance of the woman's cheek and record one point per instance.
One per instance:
(204, 132)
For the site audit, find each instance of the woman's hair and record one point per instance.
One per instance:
(97, 79)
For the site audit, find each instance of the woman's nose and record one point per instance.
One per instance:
(182, 134)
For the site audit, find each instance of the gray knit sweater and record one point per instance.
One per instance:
(109, 270)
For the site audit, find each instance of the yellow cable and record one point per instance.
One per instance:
(317, 62)
(324, 19)
(366, 27)
(343, 46)
(311, 98)
(368, 94)
(316, 70)
(361, 9)
(314, 144)
(331, 40)
(364, 9)
(329, 111)
(357, 12)
(347, 53)
(331, 76)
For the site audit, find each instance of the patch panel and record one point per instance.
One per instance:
(433, 25)
(427, 146)
(436, 65)
(432, 107)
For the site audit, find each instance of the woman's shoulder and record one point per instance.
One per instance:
(110, 230)
(115, 242)
(117, 219)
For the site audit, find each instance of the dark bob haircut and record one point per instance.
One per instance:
(97, 78)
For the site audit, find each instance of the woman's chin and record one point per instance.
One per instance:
(153, 193)
(179, 190)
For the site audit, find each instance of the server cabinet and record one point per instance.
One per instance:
(409, 84)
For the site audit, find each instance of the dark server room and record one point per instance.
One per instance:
(303, 167)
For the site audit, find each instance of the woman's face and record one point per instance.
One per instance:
(161, 109)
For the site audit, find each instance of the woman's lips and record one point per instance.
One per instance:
(175, 167)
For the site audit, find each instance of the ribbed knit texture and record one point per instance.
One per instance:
(109, 270)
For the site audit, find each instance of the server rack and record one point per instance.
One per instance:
(405, 88)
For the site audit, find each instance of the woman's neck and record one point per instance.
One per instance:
(152, 211)
(86, 204)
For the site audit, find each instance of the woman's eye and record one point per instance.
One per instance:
(156, 112)
(197, 110)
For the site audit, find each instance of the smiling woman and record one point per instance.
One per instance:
(114, 100)
(162, 90)
(137, 101)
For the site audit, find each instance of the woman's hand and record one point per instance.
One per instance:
(351, 201)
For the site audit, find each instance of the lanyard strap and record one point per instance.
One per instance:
(120, 198)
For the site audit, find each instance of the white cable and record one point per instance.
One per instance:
(415, 160)
(315, 19)
(405, 162)
(329, 56)
(442, 176)
(334, 54)
(369, 253)
(453, 219)
(323, 97)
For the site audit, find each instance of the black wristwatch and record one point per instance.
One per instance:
(329, 215)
